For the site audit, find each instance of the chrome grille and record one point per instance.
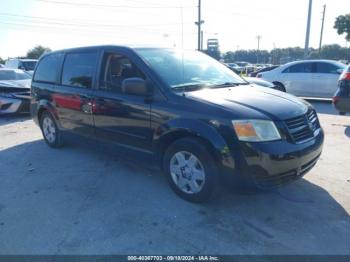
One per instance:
(302, 128)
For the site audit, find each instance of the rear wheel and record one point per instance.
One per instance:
(50, 131)
(191, 170)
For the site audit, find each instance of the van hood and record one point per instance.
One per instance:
(253, 101)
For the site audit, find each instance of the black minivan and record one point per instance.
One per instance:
(199, 121)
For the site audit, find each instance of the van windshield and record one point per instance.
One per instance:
(189, 69)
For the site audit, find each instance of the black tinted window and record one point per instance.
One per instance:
(299, 68)
(117, 68)
(78, 69)
(48, 68)
(326, 68)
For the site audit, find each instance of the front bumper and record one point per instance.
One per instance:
(272, 164)
(14, 103)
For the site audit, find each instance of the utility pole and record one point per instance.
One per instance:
(307, 38)
(321, 36)
(258, 37)
(199, 23)
(202, 39)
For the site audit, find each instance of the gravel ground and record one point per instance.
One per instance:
(82, 200)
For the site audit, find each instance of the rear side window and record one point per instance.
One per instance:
(326, 68)
(48, 68)
(299, 68)
(78, 69)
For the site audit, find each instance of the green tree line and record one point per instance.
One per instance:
(284, 55)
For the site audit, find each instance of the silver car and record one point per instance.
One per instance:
(308, 78)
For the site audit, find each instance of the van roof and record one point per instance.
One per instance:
(87, 48)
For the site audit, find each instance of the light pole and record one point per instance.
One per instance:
(322, 26)
(308, 25)
(258, 37)
(199, 23)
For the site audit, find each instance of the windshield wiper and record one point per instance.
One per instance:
(228, 84)
(188, 87)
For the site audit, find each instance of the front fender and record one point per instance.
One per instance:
(178, 128)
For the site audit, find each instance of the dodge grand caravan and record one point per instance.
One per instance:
(200, 121)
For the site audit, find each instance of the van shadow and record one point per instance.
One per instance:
(323, 107)
(13, 118)
(87, 183)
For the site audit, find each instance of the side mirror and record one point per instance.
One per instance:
(135, 86)
(21, 67)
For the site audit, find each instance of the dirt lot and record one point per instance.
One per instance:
(82, 200)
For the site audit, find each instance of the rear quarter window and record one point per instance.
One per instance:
(48, 68)
(79, 69)
(326, 68)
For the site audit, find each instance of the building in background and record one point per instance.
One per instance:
(213, 48)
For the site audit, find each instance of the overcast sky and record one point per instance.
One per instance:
(236, 23)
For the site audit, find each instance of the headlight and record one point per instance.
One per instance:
(256, 130)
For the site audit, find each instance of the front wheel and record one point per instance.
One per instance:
(191, 170)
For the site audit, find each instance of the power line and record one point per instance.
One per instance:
(87, 29)
(81, 22)
(112, 6)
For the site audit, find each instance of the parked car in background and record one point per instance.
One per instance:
(235, 68)
(19, 63)
(308, 78)
(14, 91)
(264, 69)
(341, 99)
(242, 64)
(200, 122)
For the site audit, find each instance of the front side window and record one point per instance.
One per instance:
(78, 69)
(180, 69)
(299, 68)
(48, 68)
(115, 69)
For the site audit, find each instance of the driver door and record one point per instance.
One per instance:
(119, 117)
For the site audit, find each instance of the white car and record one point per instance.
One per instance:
(24, 64)
(308, 78)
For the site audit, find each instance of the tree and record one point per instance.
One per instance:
(37, 51)
(342, 24)
(214, 54)
(2, 61)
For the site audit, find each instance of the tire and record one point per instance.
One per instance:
(342, 113)
(190, 169)
(51, 133)
(280, 87)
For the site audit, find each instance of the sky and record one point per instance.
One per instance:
(59, 24)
